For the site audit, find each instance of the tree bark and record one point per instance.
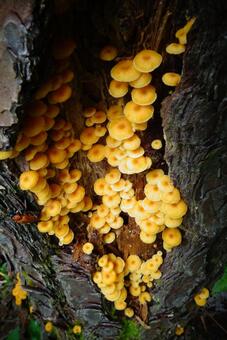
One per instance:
(194, 127)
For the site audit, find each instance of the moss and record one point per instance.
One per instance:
(130, 330)
(221, 284)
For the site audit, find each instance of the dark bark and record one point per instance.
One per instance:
(194, 127)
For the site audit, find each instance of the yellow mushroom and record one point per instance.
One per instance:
(120, 129)
(171, 79)
(137, 113)
(156, 144)
(176, 210)
(147, 61)
(143, 80)
(28, 180)
(88, 248)
(118, 89)
(172, 237)
(124, 71)
(108, 53)
(96, 153)
(45, 226)
(175, 48)
(144, 96)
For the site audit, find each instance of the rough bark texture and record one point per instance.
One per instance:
(195, 130)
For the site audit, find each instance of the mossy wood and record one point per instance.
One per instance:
(193, 119)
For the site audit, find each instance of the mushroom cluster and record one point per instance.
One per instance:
(201, 297)
(106, 217)
(172, 78)
(118, 278)
(48, 144)
(18, 292)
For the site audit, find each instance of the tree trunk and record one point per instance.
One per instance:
(194, 127)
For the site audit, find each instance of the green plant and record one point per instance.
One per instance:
(221, 285)
(130, 330)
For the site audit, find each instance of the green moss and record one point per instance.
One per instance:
(221, 285)
(130, 330)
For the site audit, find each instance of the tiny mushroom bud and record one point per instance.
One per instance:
(108, 53)
(171, 79)
(88, 248)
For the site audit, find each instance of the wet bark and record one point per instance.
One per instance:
(193, 120)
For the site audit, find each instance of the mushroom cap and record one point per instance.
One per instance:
(171, 78)
(112, 142)
(151, 206)
(165, 184)
(99, 117)
(156, 144)
(113, 176)
(75, 175)
(88, 248)
(172, 197)
(39, 161)
(56, 155)
(96, 153)
(199, 300)
(108, 53)
(109, 238)
(204, 293)
(138, 114)
(100, 186)
(132, 143)
(120, 129)
(28, 180)
(139, 126)
(175, 48)
(129, 312)
(67, 239)
(52, 111)
(33, 126)
(88, 112)
(152, 192)
(60, 95)
(88, 136)
(133, 262)
(172, 222)
(77, 195)
(175, 210)
(135, 153)
(53, 207)
(100, 131)
(153, 176)
(124, 71)
(63, 48)
(5, 154)
(172, 237)
(111, 201)
(143, 80)
(102, 210)
(61, 230)
(147, 61)
(118, 89)
(137, 165)
(147, 238)
(144, 95)
(149, 227)
(114, 112)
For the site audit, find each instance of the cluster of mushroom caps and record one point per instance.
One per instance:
(116, 275)
(48, 144)
(18, 292)
(201, 297)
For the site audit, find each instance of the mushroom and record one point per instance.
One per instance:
(138, 114)
(124, 71)
(118, 89)
(108, 53)
(143, 80)
(171, 79)
(144, 95)
(174, 48)
(147, 61)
